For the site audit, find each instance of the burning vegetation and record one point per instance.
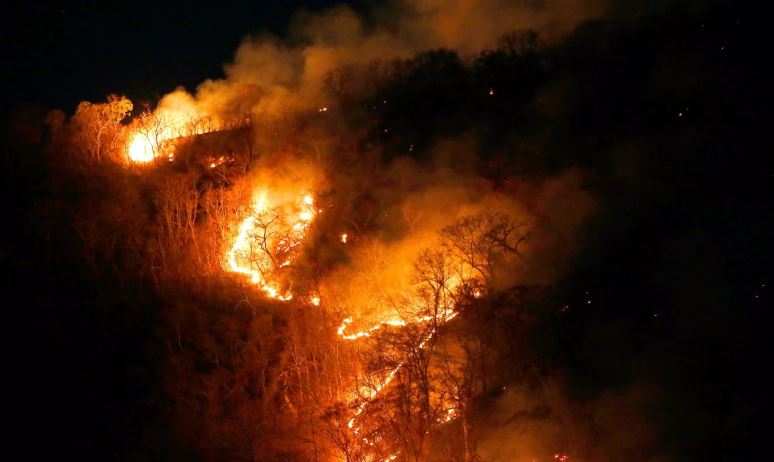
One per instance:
(381, 242)
(381, 375)
(268, 240)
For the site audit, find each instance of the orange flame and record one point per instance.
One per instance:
(141, 149)
(151, 132)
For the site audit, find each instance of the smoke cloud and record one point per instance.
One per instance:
(273, 77)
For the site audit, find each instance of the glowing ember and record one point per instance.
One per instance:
(220, 160)
(343, 238)
(448, 416)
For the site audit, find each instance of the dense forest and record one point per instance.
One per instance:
(550, 249)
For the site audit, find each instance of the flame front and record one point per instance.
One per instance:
(266, 241)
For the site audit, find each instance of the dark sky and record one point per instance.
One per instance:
(56, 54)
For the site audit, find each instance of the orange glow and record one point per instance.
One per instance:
(343, 238)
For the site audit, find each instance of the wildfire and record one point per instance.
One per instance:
(268, 236)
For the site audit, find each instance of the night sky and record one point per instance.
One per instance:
(638, 144)
(57, 54)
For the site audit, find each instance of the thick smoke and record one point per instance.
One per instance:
(413, 213)
(273, 78)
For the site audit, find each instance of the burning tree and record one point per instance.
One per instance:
(151, 130)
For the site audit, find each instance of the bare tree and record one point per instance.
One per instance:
(410, 403)
(481, 241)
(224, 208)
(458, 358)
(96, 128)
(177, 202)
(155, 129)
